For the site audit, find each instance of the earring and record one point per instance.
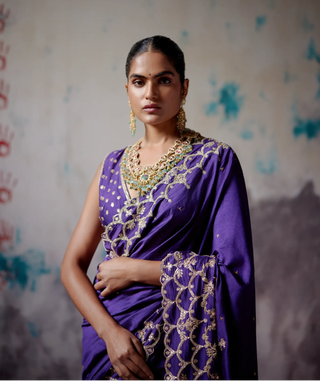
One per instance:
(181, 117)
(132, 122)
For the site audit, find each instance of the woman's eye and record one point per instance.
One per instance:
(138, 82)
(165, 80)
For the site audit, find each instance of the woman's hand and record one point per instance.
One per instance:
(126, 354)
(114, 275)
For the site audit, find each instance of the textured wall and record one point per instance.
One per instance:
(254, 84)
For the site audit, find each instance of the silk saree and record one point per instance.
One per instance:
(200, 324)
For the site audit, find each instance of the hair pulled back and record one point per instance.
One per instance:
(160, 44)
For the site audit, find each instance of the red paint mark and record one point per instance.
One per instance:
(4, 91)
(4, 15)
(5, 141)
(6, 235)
(4, 50)
(6, 187)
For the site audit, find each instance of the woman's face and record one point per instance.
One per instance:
(154, 88)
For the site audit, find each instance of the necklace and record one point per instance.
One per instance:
(143, 179)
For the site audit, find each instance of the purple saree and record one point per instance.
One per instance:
(200, 324)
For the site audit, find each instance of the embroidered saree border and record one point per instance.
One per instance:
(175, 267)
(136, 208)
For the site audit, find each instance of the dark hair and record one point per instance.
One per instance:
(160, 44)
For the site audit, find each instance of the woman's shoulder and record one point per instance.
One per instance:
(213, 148)
(112, 158)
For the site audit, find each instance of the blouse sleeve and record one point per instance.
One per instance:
(209, 300)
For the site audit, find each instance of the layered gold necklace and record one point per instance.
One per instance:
(143, 179)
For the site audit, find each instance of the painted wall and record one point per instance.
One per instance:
(254, 84)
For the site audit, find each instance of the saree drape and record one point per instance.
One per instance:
(200, 324)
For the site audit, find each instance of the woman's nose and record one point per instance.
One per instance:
(151, 90)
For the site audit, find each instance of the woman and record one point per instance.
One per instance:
(174, 297)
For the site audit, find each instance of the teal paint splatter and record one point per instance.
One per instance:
(185, 37)
(260, 21)
(312, 54)
(247, 135)
(33, 329)
(212, 108)
(66, 168)
(23, 270)
(228, 25)
(310, 128)
(268, 165)
(228, 98)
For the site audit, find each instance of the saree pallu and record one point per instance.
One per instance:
(200, 324)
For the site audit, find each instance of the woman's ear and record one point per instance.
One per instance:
(126, 86)
(185, 88)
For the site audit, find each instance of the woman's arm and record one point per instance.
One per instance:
(125, 350)
(118, 273)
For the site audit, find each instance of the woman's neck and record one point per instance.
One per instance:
(160, 135)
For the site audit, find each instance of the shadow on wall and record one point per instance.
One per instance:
(287, 266)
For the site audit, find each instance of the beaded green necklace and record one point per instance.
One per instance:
(143, 179)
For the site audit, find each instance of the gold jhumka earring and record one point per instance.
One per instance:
(132, 122)
(181, 117)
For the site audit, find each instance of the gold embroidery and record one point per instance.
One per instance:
(222, 344)
(150, 336)
(173, 177)
(186, 322)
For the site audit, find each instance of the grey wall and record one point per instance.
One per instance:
(254, 84)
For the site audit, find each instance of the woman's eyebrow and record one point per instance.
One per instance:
(165, 72)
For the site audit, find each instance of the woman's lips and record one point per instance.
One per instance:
(151, 108)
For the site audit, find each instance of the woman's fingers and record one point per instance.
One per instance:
(138, 366)
(124, 372)
(106, 292)
(138, 346)
(99, 285)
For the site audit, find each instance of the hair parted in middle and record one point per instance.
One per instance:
(160, 44)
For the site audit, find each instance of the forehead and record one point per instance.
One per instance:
(150, 63)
